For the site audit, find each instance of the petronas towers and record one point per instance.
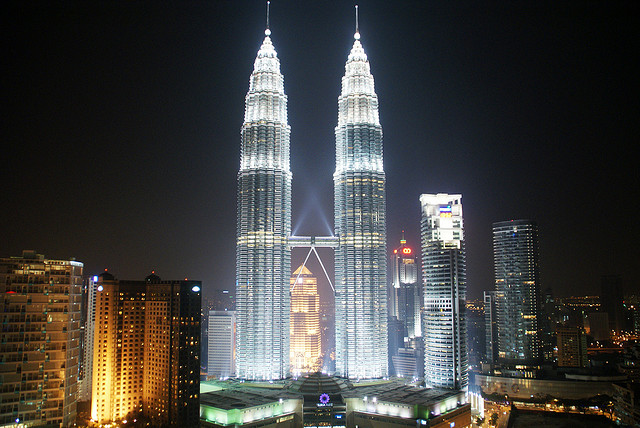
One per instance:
(263, 254)
(359, 206)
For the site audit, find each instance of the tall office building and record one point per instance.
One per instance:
(444, 288)
(515, 255)
(305, 322)
(147, 351)
(360, 224)
(404, 293)
(612, 301)
(263, 257)
(222, 344)
(327, 333)
(491, 327)
(89, 318)
(40, 340)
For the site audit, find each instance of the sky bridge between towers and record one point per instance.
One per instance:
(312, 242)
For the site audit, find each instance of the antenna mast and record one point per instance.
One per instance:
(267, 32)
(357, 34)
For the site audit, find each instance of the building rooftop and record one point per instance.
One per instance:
(239, 395)
(242, 397)
(397, 392)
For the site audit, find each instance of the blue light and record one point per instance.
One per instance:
(100, 288)
(95, 278)
(195, 289)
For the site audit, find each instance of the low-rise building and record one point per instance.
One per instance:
(320, 400)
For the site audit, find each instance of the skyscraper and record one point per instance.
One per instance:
(222, 344)
(444, 289)
(612, 301)
(404, 293)
(89, 312)
(305, 322)
(360, 224)
(572, 347)
(263, 257)
(515, 256)
(147, 351)
(40, 340)
(491, 329)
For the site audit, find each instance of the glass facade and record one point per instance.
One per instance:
(404, 293)
(515, 256)
(263, 258)
(360, 223)
(444, 289)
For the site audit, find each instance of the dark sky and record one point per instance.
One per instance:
(121, 127)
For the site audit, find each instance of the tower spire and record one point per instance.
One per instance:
(357, 34)
(267, 31)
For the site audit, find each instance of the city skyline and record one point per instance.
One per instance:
(123, 126)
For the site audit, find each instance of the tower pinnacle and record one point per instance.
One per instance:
(267, 31)
(357, 34)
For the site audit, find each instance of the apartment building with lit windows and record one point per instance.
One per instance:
(146, 360)
(40, 340)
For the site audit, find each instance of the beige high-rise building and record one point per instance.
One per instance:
(305, 322)
(40, 340)
(572, 347)
(146, 356)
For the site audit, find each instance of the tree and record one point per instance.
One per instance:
(493, 419)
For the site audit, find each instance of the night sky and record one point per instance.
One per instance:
(121, 127)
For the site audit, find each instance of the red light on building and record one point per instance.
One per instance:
(406, 250)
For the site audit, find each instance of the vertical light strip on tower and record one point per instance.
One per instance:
(444, 288)
(263, 259)
(359, 185)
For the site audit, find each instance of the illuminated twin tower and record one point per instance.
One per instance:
(264, 241)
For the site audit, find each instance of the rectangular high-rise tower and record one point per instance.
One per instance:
(515, 257)
(444, 288)
(491, 328)
(222, 344)
(263, 256)
(360, 223)
(146, 356)
(305, 322)
(89, 315)
(404, 293)
(40, 340)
